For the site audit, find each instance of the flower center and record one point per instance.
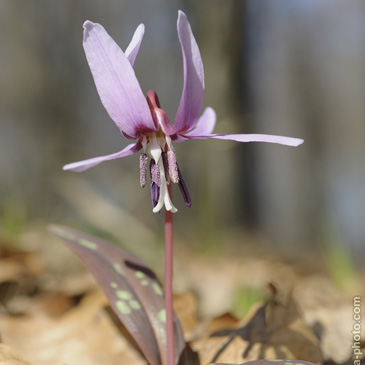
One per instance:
(163, 167)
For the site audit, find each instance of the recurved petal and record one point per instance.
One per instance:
(287, 141)
(193, 90)
(205, 124)
(133, 48)
(116, 82)
(86, 164)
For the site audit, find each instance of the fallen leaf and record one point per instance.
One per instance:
(10, 357)
(224, 321)
(271, 330)
(83, 335)
(50, 305)
(185, 307)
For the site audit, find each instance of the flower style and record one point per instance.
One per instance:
(143, 119)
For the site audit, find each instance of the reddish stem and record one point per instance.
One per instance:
(168, 285)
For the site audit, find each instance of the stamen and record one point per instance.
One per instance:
(155, 194)
(155, 173)
(164, 198)
(173, 169)
(166, 166)
(184, 189)
(155, 188)
(169, 142)
(143, 158)
(144, 143)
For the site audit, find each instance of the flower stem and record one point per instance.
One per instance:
(168, 286)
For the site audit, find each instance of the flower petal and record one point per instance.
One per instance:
(116, 82)
(205, 124)
(193, 91)
(133, 48)
(86, 164)
(287, 141)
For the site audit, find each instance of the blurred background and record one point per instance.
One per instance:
(276, 67)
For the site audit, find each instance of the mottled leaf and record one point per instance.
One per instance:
(132, 288)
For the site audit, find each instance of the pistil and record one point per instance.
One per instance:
(155, 150)
(164, 198)
(163, 166)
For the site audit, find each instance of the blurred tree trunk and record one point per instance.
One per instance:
(219, 32)
(308, 77)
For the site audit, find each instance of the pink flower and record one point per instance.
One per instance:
(141, 118)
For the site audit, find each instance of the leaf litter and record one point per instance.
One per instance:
(51, 317)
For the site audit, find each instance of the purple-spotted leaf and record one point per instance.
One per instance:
(132, 288)
(270, 362)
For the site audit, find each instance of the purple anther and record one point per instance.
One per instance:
(155, 194)
(173, 169)
(143, 158)
(155, 188)
(184, 189)
(166, 167)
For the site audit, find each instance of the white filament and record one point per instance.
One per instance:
(164, 198)
(169, 143)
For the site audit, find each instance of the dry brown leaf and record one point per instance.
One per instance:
(19, 273)
(271, 330)
(185, 307)
(10, 357)
(10, 270)
(25, 262)
(328, 311)
(50, 305)
(334, 328)
(224, 321)
(84, 335)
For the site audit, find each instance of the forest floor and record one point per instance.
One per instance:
(233, 307)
